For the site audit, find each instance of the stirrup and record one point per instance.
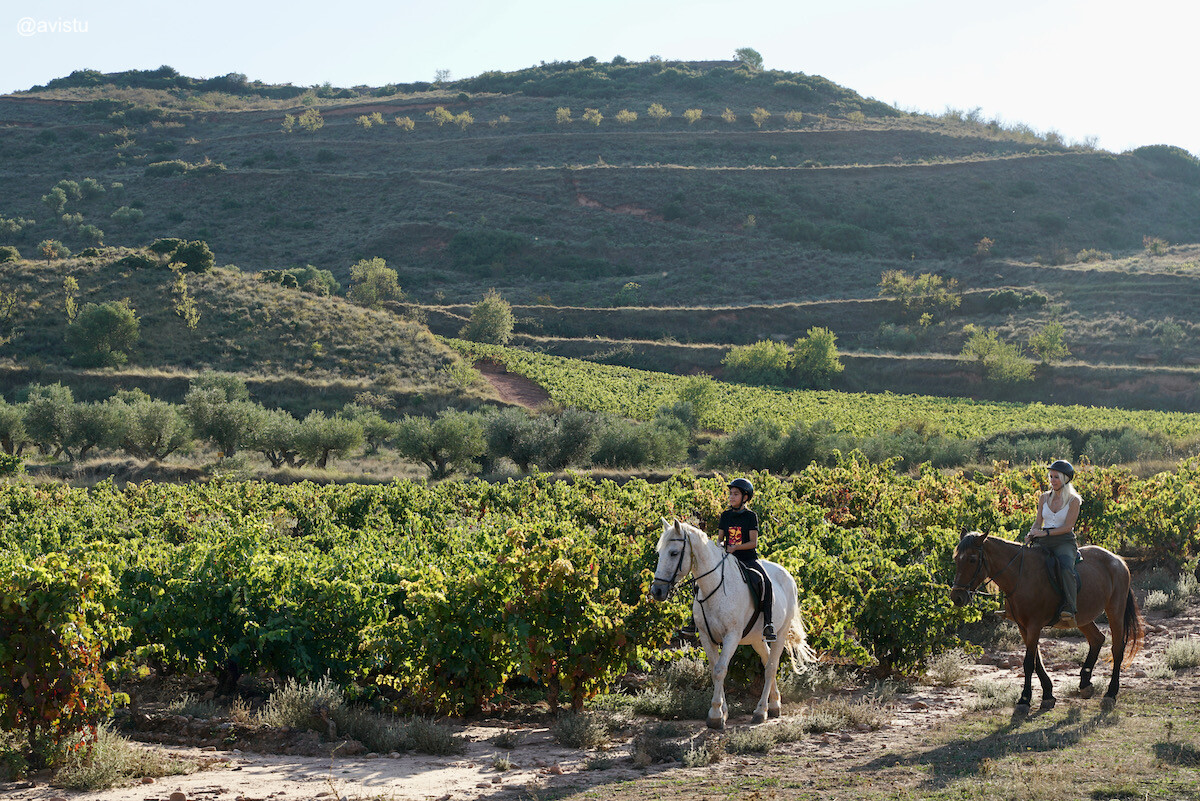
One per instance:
(1067, 620)
(690, 629)
(768, 633)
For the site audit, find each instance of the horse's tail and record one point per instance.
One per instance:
(1135, 627)
(796, 642)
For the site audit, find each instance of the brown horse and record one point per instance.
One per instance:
(1031, 602)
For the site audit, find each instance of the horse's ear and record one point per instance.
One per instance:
(983, 536)
(678, 532)
(666, 522)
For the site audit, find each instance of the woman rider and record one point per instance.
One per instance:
(1054, 529)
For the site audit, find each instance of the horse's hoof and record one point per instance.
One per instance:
(773, 713)
(1087, 692)
(1107, 703)
(716, 723)
(1047, 703)
(1022, 708)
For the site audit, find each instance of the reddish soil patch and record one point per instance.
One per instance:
(511, 388)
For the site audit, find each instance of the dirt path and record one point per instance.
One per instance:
(540, 767)
(513, 388)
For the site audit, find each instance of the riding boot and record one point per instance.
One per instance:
(689, 629)
(768, 606)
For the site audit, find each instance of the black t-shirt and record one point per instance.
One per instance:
(736, 525)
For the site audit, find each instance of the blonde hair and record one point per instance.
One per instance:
(1068, 492)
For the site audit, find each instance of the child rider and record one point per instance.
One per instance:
(738, 530)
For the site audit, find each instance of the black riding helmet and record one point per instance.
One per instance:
(1064, 467)
(744, 485)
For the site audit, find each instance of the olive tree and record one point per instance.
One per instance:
(448, 444)
(321, 438)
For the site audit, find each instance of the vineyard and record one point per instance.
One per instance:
(468, 596)
(639, 393)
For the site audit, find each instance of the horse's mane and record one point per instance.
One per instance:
(975, 539)
(687, 529)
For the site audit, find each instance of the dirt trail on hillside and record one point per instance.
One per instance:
(512, 388)
(539, 765)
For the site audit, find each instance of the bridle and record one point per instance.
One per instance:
(972, 585)
(673, 584)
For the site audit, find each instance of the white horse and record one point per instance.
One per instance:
(723, 608)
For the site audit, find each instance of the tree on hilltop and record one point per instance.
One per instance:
(749, 57)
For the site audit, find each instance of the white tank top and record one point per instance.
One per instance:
(1057, 519)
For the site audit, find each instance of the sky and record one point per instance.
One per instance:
(1116, 74)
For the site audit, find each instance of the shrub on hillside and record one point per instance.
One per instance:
(165, 169)
(997, 361)
(815, 358)
(195, 256)
(136, 261)
(103, 334)
(764, 362)
(491, 321)
(50, 249)
(165, 246)
(127, 216)
(9, 253)
(372, 283)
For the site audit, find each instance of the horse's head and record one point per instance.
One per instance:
(970, 568)
(672, 560)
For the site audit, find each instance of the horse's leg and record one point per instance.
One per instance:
(718, 710)
(1116, 627)
(1095, 639)
(1033, 664)
(770, 704)
(1048, 700)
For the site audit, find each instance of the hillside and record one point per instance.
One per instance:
(300, 351)
(782, 195)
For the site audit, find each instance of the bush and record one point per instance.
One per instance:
(764, 362)
(136, 261)
(998, 362)
(54, 628)
(373, 283)
(491, 321)
(815, 359)
(53, 249)
(165, 169)
(102, 334)
(165, 246)
(1028, 450)
(195, 256)
(127, 216)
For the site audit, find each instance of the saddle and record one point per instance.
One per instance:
(758, 591)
